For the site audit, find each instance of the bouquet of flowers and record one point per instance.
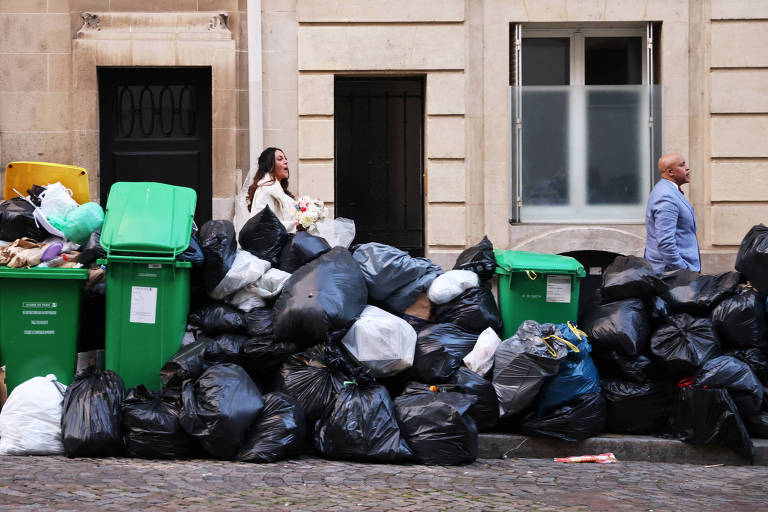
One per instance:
(308, 212)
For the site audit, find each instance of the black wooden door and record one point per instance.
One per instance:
(379, 124)
(155, 125)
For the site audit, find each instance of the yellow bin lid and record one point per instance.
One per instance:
(22, 175)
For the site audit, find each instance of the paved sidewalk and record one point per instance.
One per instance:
(57, 483)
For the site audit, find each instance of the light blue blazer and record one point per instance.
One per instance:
(670, 230)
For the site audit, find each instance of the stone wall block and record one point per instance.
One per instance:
(446, 182)
(752, 87)
(36, 146)
(731, 222)
(316, 138)
(223, 162)
(375, 10)
(34, 111)
(446, 225)
(316, 94)
(739, 136)
(387, 47)
(23, 72)
(745, 180)
(445, 93)
(740, 44)
(317, 180)
(446, 137)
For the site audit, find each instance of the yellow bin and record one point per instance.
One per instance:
(22, 175)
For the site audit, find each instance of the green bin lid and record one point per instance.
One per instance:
(43, 273)
(148, 217)
(520, 261)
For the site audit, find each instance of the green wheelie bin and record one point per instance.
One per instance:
(537, 286)
(39, 321)
(146, 226)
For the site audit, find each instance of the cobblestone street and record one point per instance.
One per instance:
(57, 483)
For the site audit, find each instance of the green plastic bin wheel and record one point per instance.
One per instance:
(147, 303)
(39, 321)
(537, 286)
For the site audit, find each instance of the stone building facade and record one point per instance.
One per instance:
(711, 60)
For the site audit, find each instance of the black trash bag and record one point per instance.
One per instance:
(360, 425)
(737, 377)
(90, 420)
(17, 220)
(404, 297)
(278, 433)
(657, 308)
(259, 321)
(479, 259)
(630, 277)
(614, 364)
(193, 253)
(437, 425)
(756, 358)
(577, 420)
(219, 407)
(522, 364)
(752, 258)
(219, 245)
(757, 425)
(621, 326)
(92, 250)
(683, 344)
(474, 310)
(321, 300)
(225, 348)
(708, 416)
(418, 324)
(313, 377)
(264, 236)
(301, 249)
(151, 428)
(262, 355)
(696, 294)
(740, 320)
(637, 408)
(188, 363)
(440, 351)
(485, 411)
(217, 318)
(386, 268)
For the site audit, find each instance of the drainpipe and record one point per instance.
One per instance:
(255, 106)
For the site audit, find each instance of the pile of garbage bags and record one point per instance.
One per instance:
(679, 350)
(295, 345)
(365, 353)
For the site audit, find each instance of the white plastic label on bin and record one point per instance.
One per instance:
(559, 288)
(143, 305)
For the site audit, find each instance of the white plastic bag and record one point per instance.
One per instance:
(255, 295)
(246, 269)
(57, 200)
(30, 422)
(381, 341)
(480, 359)
(450, 285)
(338, 231)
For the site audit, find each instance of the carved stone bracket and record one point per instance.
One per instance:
(218, 21)
(90, 21)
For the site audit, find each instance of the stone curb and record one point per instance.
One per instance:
(635, 448)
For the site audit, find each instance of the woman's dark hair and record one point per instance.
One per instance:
(266, 166)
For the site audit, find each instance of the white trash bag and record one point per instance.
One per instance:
(381, 341)
(337, 232)
(480, 359)
(450, 285)
(246, 269)
(57, 200)
(255, 295)
(30, 422)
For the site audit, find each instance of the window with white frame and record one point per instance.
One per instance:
(585, 124)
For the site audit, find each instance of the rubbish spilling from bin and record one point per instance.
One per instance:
(260, 345)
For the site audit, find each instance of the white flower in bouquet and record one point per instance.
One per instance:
(309, 211)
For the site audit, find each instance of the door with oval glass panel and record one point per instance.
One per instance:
(155, 125)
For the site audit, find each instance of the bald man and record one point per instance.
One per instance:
(670, 225)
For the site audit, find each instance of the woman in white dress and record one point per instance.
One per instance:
(270, 188)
